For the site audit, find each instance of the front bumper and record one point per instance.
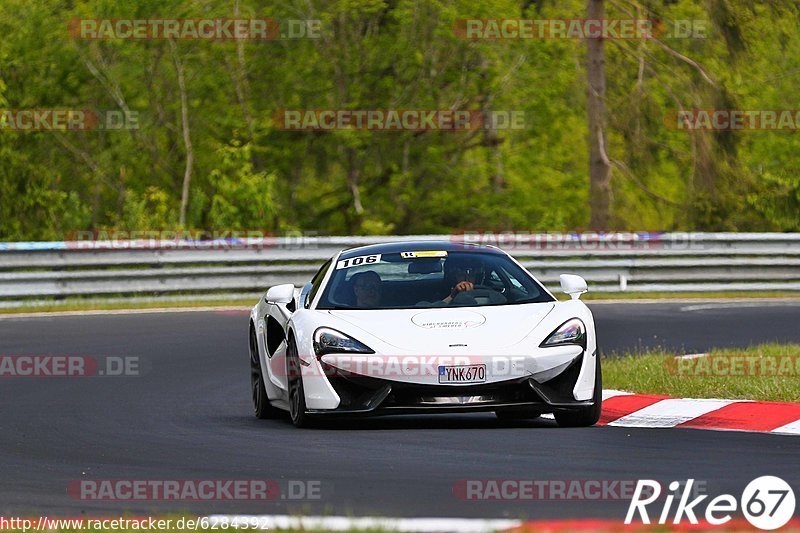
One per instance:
(363, 395)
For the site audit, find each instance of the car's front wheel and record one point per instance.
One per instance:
(297, 395)
(261, 405)
(585, 416)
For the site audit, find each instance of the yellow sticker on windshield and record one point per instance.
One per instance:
(426, 253)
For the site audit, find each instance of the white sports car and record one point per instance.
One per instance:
(424, 327)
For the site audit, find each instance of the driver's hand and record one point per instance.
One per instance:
(462, 287)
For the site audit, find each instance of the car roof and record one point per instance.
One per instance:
(418, 246)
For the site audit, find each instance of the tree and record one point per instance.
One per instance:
(599, 164)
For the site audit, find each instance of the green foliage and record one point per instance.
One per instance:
(150, 209)
(401, 54)
(241, 198)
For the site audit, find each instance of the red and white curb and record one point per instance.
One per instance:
(625, 409)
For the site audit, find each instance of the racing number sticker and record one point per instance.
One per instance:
(360, 260)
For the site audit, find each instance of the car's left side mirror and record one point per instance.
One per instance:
(280, 294)
(573, 285)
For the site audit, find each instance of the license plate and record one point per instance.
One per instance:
(462, 374)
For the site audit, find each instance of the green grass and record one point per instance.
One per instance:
(659, 373)
(78, 304)
(685, 295)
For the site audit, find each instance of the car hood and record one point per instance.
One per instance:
(479, 329)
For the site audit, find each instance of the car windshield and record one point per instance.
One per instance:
(429, 279)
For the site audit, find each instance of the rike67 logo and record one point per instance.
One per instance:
(768, 502)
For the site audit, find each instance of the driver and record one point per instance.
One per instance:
(462, 274)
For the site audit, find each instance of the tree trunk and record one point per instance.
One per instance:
(242, 87)
(187, 140)
(353, 176)
(599, 164)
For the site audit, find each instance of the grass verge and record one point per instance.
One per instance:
(767, 372)
(77, 304)
(686, 295)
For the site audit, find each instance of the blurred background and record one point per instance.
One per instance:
(206, 152)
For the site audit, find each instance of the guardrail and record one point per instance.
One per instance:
(637, 262)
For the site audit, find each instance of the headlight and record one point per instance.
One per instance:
(570, 332)
(328, 340)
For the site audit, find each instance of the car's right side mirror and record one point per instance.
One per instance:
(573, 285)
(280, 294)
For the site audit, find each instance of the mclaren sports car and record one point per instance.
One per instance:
(424, 327)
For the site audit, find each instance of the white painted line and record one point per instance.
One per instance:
(343, 523)
(739, 304)
(683, 300)
(669, 413)
(44, 314)
(792, 428)
(610, 393)
(691, 356)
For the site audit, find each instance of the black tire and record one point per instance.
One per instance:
(297, 397)
(585, 416)
(261, 406)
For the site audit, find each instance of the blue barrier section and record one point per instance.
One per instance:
(28, 246)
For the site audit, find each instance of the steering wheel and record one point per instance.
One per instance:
(477, 287)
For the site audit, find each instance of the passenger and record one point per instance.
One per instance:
(367, 288)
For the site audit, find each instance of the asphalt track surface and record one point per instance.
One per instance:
(189, 417)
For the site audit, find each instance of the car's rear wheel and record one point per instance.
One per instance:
(297, 395)
(585, 416)
(261, 405)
